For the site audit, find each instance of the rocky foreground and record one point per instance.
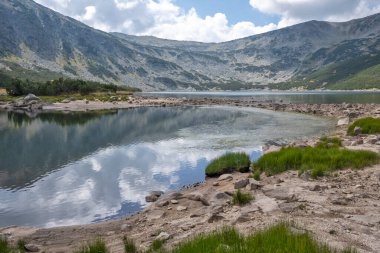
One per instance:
(341, 210)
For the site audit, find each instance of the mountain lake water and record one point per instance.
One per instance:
(295, 97)
(76, 168)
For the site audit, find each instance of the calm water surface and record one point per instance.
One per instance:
(297, 97)
(75, 168)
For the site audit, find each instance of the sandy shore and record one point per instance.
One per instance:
(342, 210)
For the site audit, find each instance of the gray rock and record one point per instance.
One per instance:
(244, 217)
(222, 195)
(163, 236)
(254, 185)
(65, 101)
(162, 203)
(241, 183)
(155, 215)
(126, 227)
(31, 97)
(289, 207)
(343, 122)
(176, 195)
(181, 208)
(225, 177)
(151, 198)
(215, 218)
(357, 130)
(31, 247)
(280, 193)
(174, 201)
(306, 175)
(316, 187)
(156, 193)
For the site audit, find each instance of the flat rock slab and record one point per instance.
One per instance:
(367, 220)
(155, 215)
(280, 193)
(266, 204)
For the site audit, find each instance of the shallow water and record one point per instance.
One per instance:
(76, 168)
(297, 97)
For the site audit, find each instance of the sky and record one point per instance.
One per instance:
(207, 20)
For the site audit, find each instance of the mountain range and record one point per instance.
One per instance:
(40, 44)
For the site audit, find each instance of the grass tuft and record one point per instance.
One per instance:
(228, 163)
(97, 246)
(318, 160)
(278, 238)
(368, 125)
(256, 175)
(129, 245)
(241, 198)
(329, 142)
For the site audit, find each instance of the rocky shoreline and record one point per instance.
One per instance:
(33, 104)
(341, 210)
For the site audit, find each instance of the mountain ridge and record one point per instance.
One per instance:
(37, 42)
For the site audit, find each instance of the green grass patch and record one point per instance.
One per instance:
(256, 175)
(368, 125)
(129, 245)
(5, 247)
(241, 198)
(318, 160)
(228, 163)
(278, 238)
(329, 142)
(97, 246)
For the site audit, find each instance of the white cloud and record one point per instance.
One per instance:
(165, 19)
(296, 11)
(160, 18)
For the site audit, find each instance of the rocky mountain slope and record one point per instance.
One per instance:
(38, 43)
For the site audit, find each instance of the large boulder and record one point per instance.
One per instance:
(31, 97)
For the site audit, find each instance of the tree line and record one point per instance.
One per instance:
(61, 86)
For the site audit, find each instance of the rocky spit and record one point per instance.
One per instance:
(340, 210)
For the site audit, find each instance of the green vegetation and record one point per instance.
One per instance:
(62, 86)
(241, 198)
(6, 248)
(279, 238)
(256, 175)
(157, 246)
(319, 160)
(368, 125)
(97, 246)
(329, 142)
(228, 163)
(129, 245)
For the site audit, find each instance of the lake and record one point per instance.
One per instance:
(76, 168)
(297, 97)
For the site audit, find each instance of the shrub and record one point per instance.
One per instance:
(318, 160)
(368, 125)
(228, 163)
(98, 246)
(241, 198)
